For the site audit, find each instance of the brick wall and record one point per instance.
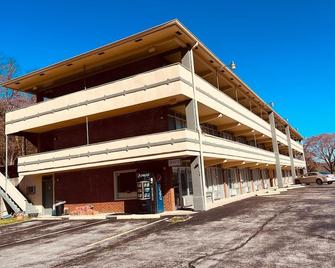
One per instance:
(129, 125)
(105, 76)
(95, 188)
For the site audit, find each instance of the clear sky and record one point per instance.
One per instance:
(284, 50)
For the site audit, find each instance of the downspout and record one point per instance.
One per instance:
(198, 128)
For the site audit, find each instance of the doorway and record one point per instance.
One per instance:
(47, 192)
(183, 188)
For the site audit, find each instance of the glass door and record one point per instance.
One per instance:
(183, 190)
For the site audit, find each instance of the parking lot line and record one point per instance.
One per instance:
(124, 233)
(31, 228)
(53, 233)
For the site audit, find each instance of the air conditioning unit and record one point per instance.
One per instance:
(187, 200)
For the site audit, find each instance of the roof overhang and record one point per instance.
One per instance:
(163, 37)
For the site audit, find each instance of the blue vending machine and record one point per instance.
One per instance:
(149, 193)
(159, 196)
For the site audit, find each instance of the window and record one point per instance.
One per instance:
(176, 121)
(125, 186)
(31, 190)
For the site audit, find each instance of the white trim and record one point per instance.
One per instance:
(115, 174)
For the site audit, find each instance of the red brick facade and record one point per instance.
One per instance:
(119, 127)
(95, 188)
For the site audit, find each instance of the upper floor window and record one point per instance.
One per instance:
(176, 121)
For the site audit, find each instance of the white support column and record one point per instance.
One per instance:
(290, 152)
(199, 188)
(193, 122)
(276, 150)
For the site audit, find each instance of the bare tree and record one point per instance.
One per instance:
(321, 150)
(10, 100)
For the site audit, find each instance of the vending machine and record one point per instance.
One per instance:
(149, 193)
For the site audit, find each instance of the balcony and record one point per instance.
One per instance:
(143, 91)
(216, 147)
(210, 96)
(299, 163)
(174, 143)
(285, 160)
(297, 146)
(222, 103)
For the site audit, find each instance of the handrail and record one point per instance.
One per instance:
(14, 193)
(94, 87)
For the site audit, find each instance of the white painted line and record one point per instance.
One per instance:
(50, 234)
(30, 228)
(124, 233)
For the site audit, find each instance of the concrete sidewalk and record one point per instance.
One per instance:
(215, 204)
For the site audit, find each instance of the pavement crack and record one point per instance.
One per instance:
(211, 256)
(324, 237)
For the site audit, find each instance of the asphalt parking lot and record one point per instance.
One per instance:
(293, 229)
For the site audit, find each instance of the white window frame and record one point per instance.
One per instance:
(132, 195)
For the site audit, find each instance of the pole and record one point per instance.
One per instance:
(6, 163)
(86, 117)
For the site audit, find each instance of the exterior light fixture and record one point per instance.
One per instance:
(232, 65)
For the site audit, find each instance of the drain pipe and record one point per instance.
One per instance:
(196, 112)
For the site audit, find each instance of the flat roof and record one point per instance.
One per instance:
(99, 57)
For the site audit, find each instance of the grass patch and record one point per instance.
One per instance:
(11, 220)
(177, 219)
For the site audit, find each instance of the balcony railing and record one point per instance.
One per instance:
(154, 146)
(216, 99)
(158, 84)
(226, 149)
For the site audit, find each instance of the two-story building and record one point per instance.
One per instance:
(159, 102)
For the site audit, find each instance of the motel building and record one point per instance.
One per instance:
(153, 122)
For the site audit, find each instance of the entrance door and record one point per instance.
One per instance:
(183, 189)
(214, 183)
(47, 192)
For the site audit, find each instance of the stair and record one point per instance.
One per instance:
(14, 198)
(9, 201)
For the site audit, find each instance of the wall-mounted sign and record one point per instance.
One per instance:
(174, 162)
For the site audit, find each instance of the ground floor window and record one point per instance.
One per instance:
(125, 184)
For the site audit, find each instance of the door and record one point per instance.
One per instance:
(183, 187)
(229, 175)
(47, 191)
(214, 183)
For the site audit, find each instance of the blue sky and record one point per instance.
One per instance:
(284, 50)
